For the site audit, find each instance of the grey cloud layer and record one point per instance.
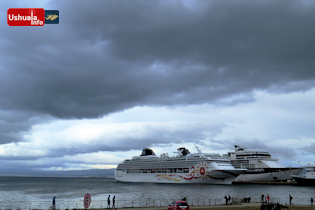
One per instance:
(99, 61)
(147, 135)
(137, 137)
(107, 56)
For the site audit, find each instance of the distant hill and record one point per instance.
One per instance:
(72, 173)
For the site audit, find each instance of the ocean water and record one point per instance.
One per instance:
(74, 189)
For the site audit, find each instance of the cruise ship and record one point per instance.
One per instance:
(185, 168)
(259, 164)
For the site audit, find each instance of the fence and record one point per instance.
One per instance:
(101, 204)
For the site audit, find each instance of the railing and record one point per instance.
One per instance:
(254, 200)
(102, 204)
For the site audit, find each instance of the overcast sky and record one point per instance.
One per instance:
(116, 76)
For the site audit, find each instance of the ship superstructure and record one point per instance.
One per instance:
(184, 168)
(252, 159)
(261, 166)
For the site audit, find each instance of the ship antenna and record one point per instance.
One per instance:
(198, 149)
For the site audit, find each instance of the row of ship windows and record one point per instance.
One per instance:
(170, 170)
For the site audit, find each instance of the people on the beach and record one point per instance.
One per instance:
(229, 199)
(291, 200)
(268, 199)
(226, 200)
(263, 198)
(108, 202)
(226, 197)
(54, 203)
(246, 200)
(113, 207)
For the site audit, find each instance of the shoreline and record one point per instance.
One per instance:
(247, 206)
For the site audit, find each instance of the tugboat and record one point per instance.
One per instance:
(307, 179)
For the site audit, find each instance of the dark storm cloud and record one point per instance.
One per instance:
(23, 167)
(106, 56)
(310, 148)
(13, 123)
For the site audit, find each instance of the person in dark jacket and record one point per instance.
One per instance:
(108, 202)
(113, 207)
(54, 203)
(291, 200)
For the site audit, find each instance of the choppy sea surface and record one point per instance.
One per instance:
(74, 189)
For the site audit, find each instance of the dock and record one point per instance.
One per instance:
(267, 183)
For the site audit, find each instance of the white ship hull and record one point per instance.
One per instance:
(215, 177)
(202, 173)
(268, 177)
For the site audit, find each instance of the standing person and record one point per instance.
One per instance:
(229, 199)
(114, 203)
(54, 203)
(291, 200)
(268, 198)
(226, 200)
(108, 202)
(263, 198)
(312, 201)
